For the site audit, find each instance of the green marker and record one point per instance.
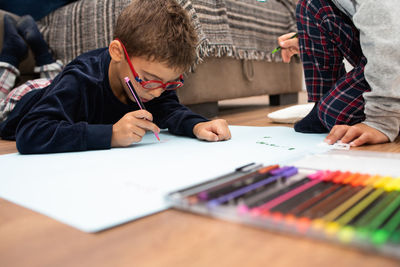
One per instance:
(279, 48)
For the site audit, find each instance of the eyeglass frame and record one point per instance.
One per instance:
(144, 83)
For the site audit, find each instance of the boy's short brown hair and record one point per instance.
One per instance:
(159, 30)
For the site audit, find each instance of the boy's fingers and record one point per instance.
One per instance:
(223, 133)
(362, 139)
(137, 130)
(136, 138)
(209, 136)
(289, 43)
(351, 134)
(142, 114)
(286, 36)
(222, 130)
(148, 125)
(137, 120)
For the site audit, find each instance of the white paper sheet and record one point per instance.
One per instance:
(95, 190)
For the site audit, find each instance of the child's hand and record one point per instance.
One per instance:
(215, 130)
(289, 47)
(132, 127)
(357, 135)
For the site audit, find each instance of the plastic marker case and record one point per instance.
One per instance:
(349, 208)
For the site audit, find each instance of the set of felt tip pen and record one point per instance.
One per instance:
(355, 209)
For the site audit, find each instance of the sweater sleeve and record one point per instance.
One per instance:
(169, 114)
(58, 122)
(379, 27)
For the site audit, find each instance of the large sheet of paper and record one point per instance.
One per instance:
(95, 190)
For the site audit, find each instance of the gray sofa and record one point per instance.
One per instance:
(216, 77)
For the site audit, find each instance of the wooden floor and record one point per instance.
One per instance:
(171, 237)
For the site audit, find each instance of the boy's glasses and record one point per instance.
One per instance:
(152, 84)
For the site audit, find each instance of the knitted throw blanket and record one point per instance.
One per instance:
(245, 29)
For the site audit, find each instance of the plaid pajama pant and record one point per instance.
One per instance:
(326, 37)
(9, 97)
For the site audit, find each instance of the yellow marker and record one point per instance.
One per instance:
(382, 182)
(397, 184)
(391, 185)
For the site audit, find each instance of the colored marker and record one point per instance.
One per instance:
(192, 191)
(334, 227)
(222, 199)
(313, 196)
(386, 212)
(137, 99)
(303, 207)
(300, 198)
(273, 203)
(331, 202)
(393, 223)
(263, 197)
(368, 216)
(367, 230)
(233, 185)
(335, 213)
(367, 205)
(279, 48)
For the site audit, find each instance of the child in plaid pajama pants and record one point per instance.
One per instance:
(17, 36)
(327, 34)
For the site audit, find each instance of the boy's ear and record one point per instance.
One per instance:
(116, 51)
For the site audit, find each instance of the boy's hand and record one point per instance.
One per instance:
(215, 130)
(289, 47)
(357, 135)
(132, 127)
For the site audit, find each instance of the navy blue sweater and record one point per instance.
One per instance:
(78, 109)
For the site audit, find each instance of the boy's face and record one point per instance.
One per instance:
(147, 70)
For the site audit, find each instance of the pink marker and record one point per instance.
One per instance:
(137, 99)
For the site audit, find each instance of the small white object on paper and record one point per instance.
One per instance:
(338, 145)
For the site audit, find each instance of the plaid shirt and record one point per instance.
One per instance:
(326, 37)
